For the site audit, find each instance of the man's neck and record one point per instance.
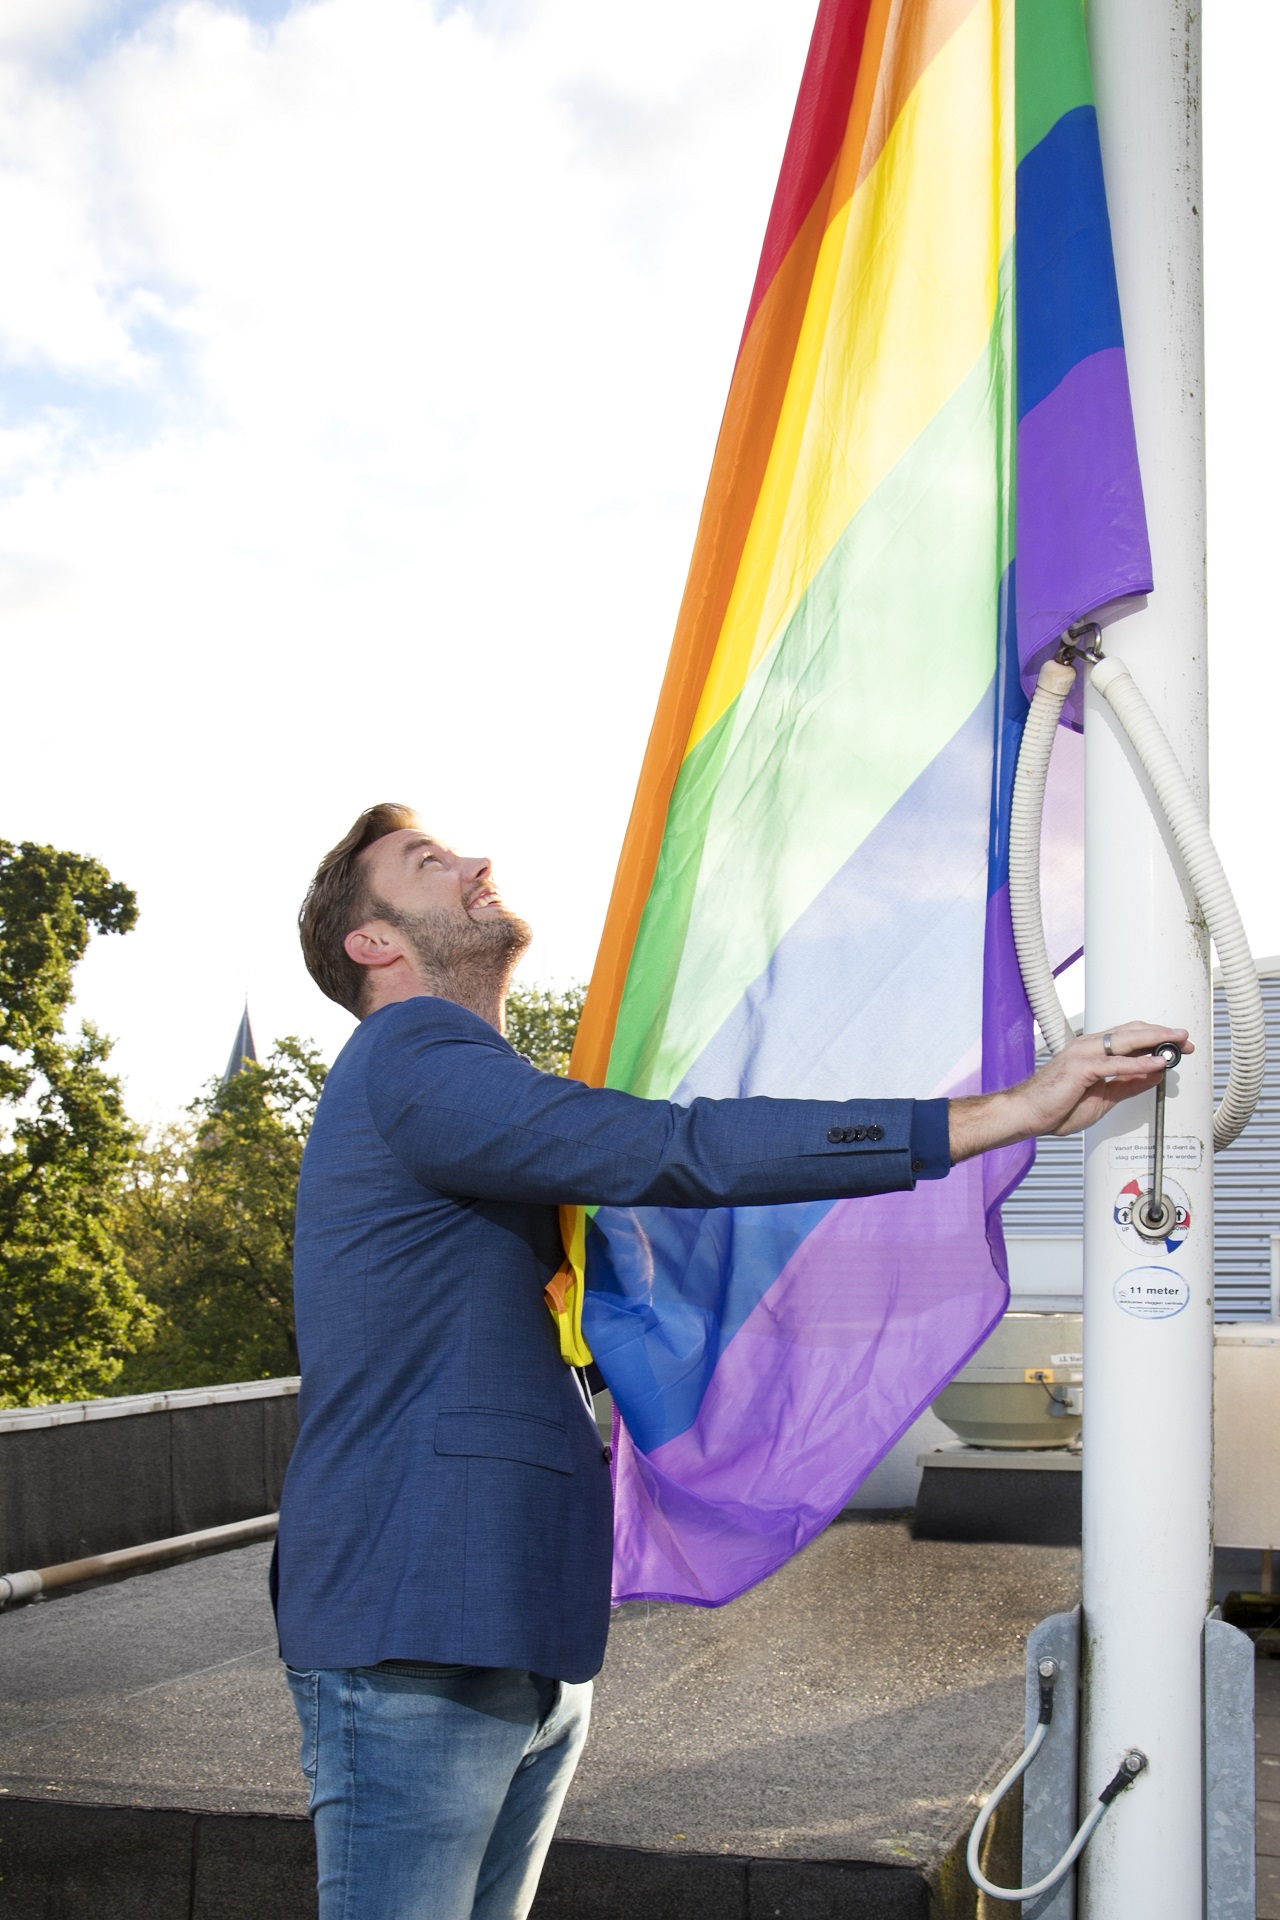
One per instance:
(481, 995)
(479, 992)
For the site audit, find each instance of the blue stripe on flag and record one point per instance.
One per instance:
(1067, 303)
(849, 1005)
(664, 1299)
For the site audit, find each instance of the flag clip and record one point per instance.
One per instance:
(563, 1295)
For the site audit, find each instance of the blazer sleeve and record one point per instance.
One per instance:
(468, 1116)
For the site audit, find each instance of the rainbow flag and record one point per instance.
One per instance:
(812, 894)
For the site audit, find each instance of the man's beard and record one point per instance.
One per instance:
(466, 960)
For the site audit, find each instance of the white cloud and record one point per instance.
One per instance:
(38, 26)
(364, 369)
(415, 369)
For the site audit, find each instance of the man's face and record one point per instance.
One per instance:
(414, 873)
(446, 903)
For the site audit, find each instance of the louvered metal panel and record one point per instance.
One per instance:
(1051, 1198)
(1246, 1178)
(1246, 1182)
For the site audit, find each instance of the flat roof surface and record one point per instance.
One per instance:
(849, 1709)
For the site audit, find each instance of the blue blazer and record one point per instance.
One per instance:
(449, 1497)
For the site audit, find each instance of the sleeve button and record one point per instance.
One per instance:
(917, 1166)
(835, 1135)
(875, 1133)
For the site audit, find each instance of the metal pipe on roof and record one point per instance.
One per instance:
(152, 1553)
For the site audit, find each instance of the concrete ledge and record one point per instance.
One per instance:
(83, 1862)
(77, 1413)
(142, 1863)
(135, 1863)
(245, 1866)
(584, 1882)
(814, 1751)
(115, 1474)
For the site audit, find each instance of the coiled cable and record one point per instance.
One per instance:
(1190, 831)
(1127, 1772)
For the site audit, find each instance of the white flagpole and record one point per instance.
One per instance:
(1149, 1311)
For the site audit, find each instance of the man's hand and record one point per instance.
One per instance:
(1077, 1087)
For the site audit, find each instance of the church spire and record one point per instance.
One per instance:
(243, 1049)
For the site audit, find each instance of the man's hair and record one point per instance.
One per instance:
(340, 898)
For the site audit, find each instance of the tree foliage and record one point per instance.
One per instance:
(69, 1310)
(128, 1266)
(542, 1022)
(208, 1227)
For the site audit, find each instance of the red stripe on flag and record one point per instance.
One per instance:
(818, 128)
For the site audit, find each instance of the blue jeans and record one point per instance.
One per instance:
(435, 1790)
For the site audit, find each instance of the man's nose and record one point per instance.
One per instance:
(477, 866)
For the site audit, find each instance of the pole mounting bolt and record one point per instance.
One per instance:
(1047, 1670)
(1134, 1763)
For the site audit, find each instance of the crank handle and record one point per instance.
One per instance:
(1155, 1215)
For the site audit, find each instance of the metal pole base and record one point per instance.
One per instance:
(1050, 1788)
(1230, 1868)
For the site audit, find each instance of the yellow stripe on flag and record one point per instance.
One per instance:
(901, 306)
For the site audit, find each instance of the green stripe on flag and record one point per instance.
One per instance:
(1051, 57)
(900, 623)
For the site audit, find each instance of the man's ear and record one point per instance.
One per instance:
(373, 945)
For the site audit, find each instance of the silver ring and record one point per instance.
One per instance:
(1106, 1045)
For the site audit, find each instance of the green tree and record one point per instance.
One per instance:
(208, 1228)
(69, 1311)
(542, 1022)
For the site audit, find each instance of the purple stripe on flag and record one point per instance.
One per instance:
(1008, 1055)
(884, 1300)
(872, 1315)
(1081, 534)
(832, 1367)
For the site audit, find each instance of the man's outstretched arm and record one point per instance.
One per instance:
(467, 1116)
(1077, 1087)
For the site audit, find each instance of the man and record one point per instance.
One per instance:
(445, 1530)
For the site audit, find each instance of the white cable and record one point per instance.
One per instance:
(1025, 816)
(996, 1795)
(1069, 1858)
(1191, 836)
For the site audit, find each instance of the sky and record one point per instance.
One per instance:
(361, 363)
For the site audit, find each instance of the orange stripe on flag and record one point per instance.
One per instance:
(902, 38)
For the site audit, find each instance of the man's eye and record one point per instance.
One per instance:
(428, 859)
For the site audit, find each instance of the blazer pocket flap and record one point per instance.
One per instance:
(491, 1435)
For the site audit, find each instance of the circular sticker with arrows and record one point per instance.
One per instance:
(1132, 1196)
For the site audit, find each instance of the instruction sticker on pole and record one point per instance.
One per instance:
(1151, 1293)
(1135, 1153)
(1133, 1195)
